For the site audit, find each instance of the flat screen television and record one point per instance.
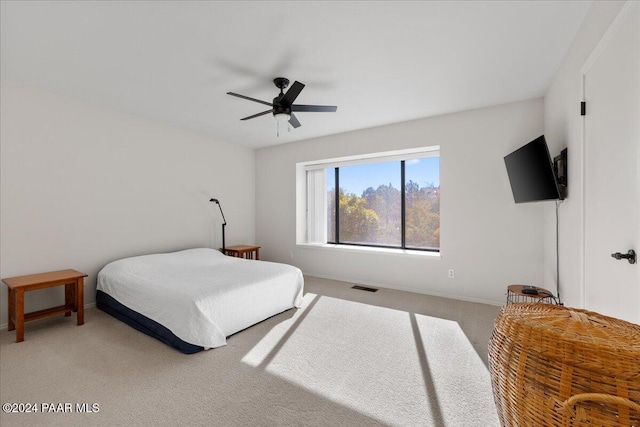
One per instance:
(531, 173)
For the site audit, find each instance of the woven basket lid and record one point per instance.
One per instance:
(576, 337)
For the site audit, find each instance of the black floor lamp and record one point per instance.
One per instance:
(224, 221)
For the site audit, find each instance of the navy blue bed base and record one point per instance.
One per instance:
(142, 323)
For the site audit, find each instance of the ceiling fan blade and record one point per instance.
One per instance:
(315, 108)
(258, 115)
(291, 94)
(250, 99)
(293, 121)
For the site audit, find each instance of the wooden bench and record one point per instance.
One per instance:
(73, 282)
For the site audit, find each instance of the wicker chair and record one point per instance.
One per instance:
(555, 366)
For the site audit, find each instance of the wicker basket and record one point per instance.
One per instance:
(555, 366)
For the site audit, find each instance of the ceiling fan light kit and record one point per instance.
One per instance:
(282, 119)
(283, 106)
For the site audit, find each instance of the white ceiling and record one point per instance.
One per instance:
(379, 62)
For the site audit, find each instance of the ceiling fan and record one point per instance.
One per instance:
(283, 106)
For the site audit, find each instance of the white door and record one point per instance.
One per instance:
(612, 169)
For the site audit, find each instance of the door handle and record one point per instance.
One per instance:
(629, 256)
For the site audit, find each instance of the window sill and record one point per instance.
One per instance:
(371, 250)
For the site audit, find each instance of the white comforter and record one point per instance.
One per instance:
(201, 295)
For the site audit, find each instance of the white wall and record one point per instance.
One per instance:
(562, 125)
(489, 240)
(82, 186)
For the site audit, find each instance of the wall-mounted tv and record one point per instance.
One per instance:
(531, 173)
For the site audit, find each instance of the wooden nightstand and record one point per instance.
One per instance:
(243, 251)
(73, 282)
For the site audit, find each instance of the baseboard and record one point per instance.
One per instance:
(406, 289)
(4, 326)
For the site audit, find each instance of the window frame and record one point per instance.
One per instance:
(304, 222)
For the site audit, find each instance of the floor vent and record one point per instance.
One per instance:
(364, 288)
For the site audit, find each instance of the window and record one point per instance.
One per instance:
(387, 200)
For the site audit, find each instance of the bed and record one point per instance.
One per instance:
(193, 299)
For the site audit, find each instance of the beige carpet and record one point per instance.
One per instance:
(347, 358)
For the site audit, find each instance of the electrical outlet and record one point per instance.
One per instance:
(452, 273)
(290, 255)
